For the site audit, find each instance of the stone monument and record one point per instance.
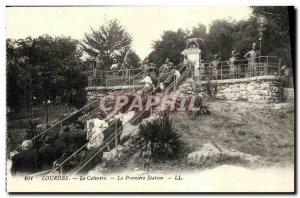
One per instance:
(194, 55)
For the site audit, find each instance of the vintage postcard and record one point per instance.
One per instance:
(150, 99)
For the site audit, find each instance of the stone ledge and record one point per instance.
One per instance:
(100, 88)
(231, 81)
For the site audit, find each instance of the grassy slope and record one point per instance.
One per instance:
(257, 129)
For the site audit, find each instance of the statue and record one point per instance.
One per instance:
(233, 70)
(251, 56)
(193, 42)
(213, 67)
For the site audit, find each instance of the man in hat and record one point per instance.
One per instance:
(251, 56)
(213, 67)
(168, 65)
(24, 162)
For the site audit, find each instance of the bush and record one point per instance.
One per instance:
(202, 108)
(159, 138)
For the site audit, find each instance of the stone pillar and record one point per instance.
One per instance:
(194, 55)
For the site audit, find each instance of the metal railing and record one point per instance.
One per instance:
(115, 77)
(115, 136)
(58, 127)
(262, 66)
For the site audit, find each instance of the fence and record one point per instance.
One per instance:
(116, 77)
(114, 137)
(262, 66)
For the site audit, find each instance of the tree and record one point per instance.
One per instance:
(110, 37)
(199, 31)
(276, 40)
(45, 68)
(133, 58)
(170, 46)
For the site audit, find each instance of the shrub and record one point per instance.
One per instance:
(202, 108)
(159, 138)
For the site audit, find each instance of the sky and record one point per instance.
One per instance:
(146, 24)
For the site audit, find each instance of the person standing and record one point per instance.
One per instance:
(251, 56)
(233, 68)
(213, 67)
(24, 162)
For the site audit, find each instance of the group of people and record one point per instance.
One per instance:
(158, 79)
(40, 155)
(234, 70)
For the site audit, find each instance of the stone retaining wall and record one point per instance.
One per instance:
(256, 89)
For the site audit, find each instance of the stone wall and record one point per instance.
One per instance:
(259, 91)
(256, 89)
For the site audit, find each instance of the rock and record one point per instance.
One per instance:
(227, 91)
(281, 106)
(208, 151)
(211, 154)
(264, 92)
(265, 86)
(243, 87)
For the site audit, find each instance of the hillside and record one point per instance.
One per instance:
(266, 130)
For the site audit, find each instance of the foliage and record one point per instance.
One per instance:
(161, 136)
(133, 59)
(227, 35)
(170, 46)
(202, 108)
(276, 40)
(30, 130)
(107, 40)
(43, 68)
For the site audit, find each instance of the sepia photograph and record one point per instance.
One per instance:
(150, 99)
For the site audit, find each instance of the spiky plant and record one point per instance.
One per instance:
(202, 109)
(161, 136)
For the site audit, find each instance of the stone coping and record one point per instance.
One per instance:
(102, 88)
(228, 81)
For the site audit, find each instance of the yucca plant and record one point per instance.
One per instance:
(160, 138)
(202, 108)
